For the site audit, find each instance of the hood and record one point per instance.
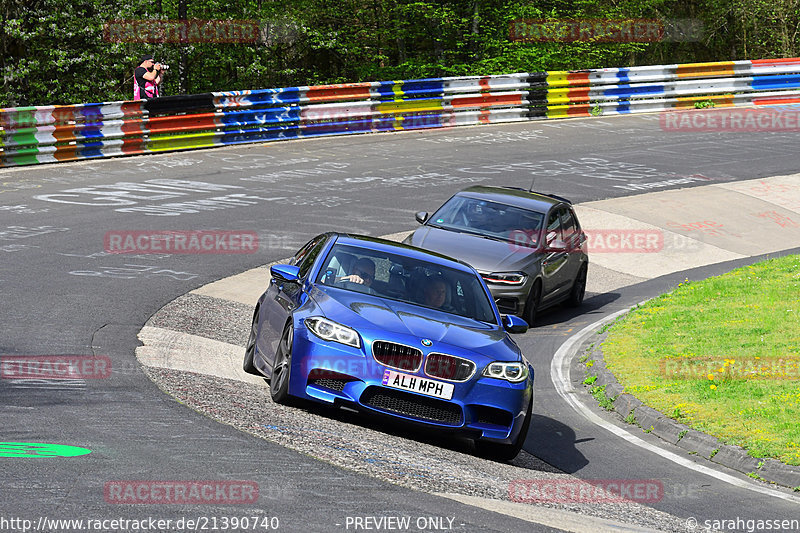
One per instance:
(486, 255)
(384, 319)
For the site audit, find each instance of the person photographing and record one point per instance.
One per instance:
(147, 78)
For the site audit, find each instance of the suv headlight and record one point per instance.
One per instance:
(504, 278)
(328, 330)
(513, 372)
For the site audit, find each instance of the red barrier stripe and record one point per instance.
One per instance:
(484, 83)
(782, 61)
(345, 91)
(134, 145)
(578, 111)
(63, 113)
(776, 101)
(485, 100)
(578, 94)
(578, 78)
(130, 109)
(64, 132)
(66, 153)
(133, 127)
(201, 121)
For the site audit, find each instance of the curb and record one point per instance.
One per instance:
(652, 421)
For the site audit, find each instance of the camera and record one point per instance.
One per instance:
(164, 67)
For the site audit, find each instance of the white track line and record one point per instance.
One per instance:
(559, 374)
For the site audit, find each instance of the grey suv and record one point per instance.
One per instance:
(529, 247)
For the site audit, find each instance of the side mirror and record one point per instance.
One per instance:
(285, 272)
(514, 324)
(421, 217)
(554, 244)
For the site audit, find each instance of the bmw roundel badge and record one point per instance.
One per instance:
(427, 343)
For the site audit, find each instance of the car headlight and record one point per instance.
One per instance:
(328, 330)
(504, 278)
(513, 372)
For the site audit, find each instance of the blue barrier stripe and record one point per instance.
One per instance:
(385, 88)
(266, 116)
(779, 81)
(629, 90)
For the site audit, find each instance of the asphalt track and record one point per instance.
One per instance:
(63, 295)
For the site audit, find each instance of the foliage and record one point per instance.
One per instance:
(55, 53)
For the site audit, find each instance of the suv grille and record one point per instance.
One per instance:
(397, 356)
(412, 405)
(439, 365)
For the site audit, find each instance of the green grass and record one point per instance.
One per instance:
(722, 356)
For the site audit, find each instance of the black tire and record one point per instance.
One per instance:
(250, 351)
(532, 303)
(578, 288)
(506, 452)
(282, 367)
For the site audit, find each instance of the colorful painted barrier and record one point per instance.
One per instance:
(47, 134)
(663, 87)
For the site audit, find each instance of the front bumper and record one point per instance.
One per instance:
(333, 373)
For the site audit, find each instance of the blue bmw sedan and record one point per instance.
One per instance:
(388, 328)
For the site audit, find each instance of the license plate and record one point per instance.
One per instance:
(425, 386)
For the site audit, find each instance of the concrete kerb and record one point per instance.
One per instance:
(671, 431)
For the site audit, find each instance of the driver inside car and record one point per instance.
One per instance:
(363, 272)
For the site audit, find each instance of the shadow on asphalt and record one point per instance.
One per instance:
(561, 313)
(554, 443)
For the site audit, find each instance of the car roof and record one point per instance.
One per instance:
(514, 196)
(376, 243)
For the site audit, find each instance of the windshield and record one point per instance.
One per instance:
(490, 219)
(401, 278)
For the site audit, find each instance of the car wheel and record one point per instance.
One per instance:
(578, 288)
(282, 367)
(532, 303)
(506, 452)
(250, 351)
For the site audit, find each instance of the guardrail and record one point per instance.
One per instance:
(48, 134)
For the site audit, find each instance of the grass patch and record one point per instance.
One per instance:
(599, 394)
(721, 355)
